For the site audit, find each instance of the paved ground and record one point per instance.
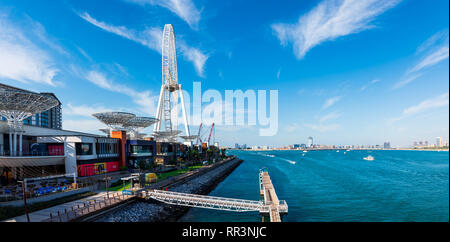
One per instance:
(44, 214)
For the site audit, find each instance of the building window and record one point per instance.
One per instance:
(83, 148)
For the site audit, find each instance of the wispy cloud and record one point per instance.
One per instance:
(22, 60)
(278, 74)
(436, 102)
(330, 116)
(151, 38)
(329, 20)
(424, 106)
(331, 101)
(185, 9)
(369, 84)
(83, 110)
(434, 50)
(406, 80)
(432, 59)
(146, 102)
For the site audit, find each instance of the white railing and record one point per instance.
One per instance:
(211, 202)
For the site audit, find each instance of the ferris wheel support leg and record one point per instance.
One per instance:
(158, 111)
(186, 126)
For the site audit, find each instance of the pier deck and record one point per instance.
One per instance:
(275, 206)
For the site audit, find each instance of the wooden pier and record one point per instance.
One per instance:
(274, 207)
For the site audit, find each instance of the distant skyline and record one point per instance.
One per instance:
(347, 72)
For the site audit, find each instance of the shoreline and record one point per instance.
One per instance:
(400, 149)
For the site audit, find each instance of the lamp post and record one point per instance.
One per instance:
(25, 200)
(106, 184)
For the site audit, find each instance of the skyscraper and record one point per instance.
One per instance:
(438, 141)
(310, 141)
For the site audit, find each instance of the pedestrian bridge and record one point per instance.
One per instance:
(270, 205)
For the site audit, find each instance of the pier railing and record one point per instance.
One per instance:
(85, 208)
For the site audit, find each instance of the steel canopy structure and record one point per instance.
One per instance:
(17, 105)
(136, 124)
(169, 87)
(114, 120)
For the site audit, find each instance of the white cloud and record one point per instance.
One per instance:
(84, 125)
(432, 59)
(185, 9)
(20, 59)
(369, 84)
(278, 74)
(328, 21)
(436, 102)
(437, 39)
(329, 116)
(406, 81)
(424, 106)
(83, 110)
(195, 56)
(435, 49)
(144, 99)
(331, 101)
(151, 38)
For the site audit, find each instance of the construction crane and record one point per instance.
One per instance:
(199, 139)
(210, 132)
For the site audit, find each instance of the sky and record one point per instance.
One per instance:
(347, 72)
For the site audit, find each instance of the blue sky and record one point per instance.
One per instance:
(347, 72)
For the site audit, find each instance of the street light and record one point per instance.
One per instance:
(106, 184)
(25, 200)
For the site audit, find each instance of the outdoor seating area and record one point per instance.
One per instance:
(38, 188)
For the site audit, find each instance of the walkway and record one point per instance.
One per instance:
(71, 210)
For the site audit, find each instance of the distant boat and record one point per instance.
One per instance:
(337, 150)
(271, 155)
(292, 162)
(305, 151)
(303, 154)
(369, 158)
(347, 150)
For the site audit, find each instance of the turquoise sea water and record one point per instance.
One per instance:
(333, 186)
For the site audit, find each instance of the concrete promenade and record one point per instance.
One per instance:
(44, 214)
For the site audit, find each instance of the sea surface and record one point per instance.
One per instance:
(333, 186)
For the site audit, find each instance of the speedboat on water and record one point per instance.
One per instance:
(305, 151)
(369, 158)
(337, 150)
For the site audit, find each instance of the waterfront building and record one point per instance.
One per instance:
(51, 118)
(140, 153)
(310, 141)
(387, 145)
(438, 141)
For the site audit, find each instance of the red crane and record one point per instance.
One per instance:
(210, 132)
(198, 135)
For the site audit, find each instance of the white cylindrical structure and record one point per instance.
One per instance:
(10, 144)
(15, 144)
(20, 144)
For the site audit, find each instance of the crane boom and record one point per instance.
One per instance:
(210, 132)
(198, 135)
